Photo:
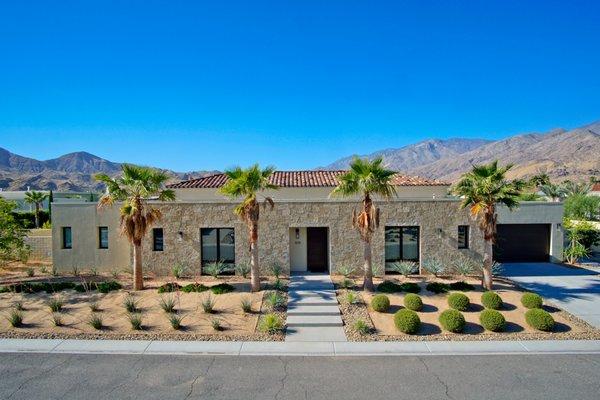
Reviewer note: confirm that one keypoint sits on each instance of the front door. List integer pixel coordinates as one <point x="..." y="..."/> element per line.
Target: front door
<point x="317" y="249"/>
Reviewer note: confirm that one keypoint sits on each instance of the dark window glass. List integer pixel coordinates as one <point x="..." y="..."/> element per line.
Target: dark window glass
<point x="218" y="244"/>
<point x="401" y="244"/>
<point x="463" y="236"/>
<point x="103" y="237"/>
<point x="157" y="239"/>
<point x="66" y="237"/>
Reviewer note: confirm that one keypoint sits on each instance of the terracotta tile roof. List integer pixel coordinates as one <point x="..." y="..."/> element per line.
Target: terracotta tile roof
<point x="302" y="179"/>
<point x="596" y="187"/>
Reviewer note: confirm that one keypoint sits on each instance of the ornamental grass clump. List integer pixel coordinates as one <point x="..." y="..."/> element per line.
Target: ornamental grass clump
<point x="491" y="300"/>
<point x="275" y="301"/>
<point x="492" y="320"/>
<point x="405" y="268"/>
<point x="407" y="321"/>
<point x="246" y="305"/>
<point x="208" y="304"/>
<point x="130" y="304"/>
<point x="242" y="269"/>
<point x="539" y="319"/>
<point x="271" y="323"/>
<point x="216" y="324"/>
<point x="94" y="306"/>
<point x="95" y="321"/>
<point x="452" y="321"/>
<point x="380" y="303"/>
<point x="135" y="319"/>
<point x="458" y="301"/>
<point x="15" y="318"/>
<point x="55" y="304"/>
<point x="361" y="327"/>
<point x="175" y="320"/>
<point x="57" y="319"/>
<point x="413" y="302"/>
<point x="167" y="304"/>
<point x="532" y="300"/>
<point x="352" y="298"/>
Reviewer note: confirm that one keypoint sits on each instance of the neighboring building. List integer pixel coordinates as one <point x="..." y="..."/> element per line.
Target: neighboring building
<point x="58" y="197"/>
<point x="595" y="189"/>
<point x="306" y="231"/>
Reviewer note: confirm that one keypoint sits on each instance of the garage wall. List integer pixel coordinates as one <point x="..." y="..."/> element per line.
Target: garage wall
<point x="536" y="212"/>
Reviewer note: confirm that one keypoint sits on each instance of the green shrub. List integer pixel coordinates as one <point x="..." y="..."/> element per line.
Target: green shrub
<point x="130" y="303"/>
<point x="278" y="285"/>
<point x="271" y="323"/>
<point x="492" y="320"/>
<point x="461" y="286"/>
<point x="214" y="269"/>
<point x="347" y="283"/>
<point x="95" y="321"/>
<point x="532" y="300"/>
<point x="458" y="301"/>
<point x="169" y="287"/>
<point x="55" y="304"/>
<point x="361" y="327"/>
<point x="407" y="321"/>
<point x="405" y="268"/>
<point x="389" y="287"/>
<point x="222" y="288"/>
<point x="380" y="303"/>
<point x="410" y="287"/>
<point x="491" y="300"/>
<point x="539" y="319"/>
<point x="434" y="267"/>
<point x="105" y="287"/>
<point x="413" y="302"/>
<point x="208" y="304"/>
<point x="352" y="298"/>
<point x="246" y="304"/>
<point x="452" y="321"/>
<point x="275" y="300"/>
<point x="437" y="287"/>
<point x="242" y="269"/>
<point x="15" y="318"/>
<point x="135" y="319"/>
<point x="194" y="287"/>
<point x="276" y="270"/>
<point x="167" y="304"/>
<point x="464" y="266"/>
<point x="178" y="270"/>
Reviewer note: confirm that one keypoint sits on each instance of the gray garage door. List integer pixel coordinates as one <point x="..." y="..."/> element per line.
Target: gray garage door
<point x="522" y="243"/>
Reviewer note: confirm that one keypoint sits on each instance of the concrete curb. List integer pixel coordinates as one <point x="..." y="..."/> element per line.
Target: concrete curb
<point x="155" y="347"/>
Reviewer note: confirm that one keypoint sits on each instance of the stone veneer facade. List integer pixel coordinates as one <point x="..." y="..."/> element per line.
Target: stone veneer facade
<point x="438" y="221"/>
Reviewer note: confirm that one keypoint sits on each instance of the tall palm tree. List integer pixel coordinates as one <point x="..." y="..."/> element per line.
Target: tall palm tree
<point x="134" y="189"/>
<point x="366" y="178"/>
<point x="482" y="189"/>
<point x="554" y="192"/>
<point x="37" y="199"/>
<point x="572" y="188"/>
<point x="247" y="183"/>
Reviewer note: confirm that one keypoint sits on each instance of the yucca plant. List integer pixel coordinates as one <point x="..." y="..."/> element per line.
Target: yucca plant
<point x="30" y="272"/>
<point x="271" y="323"/>
<point x="135" y="319"/>
<point x="405" y="268"/>
<point x="15" y="318"/>
<point x="94" y="306"/>
<point x="95" y="321"/>
<point x="215" y="269"/>
<point x="242" y="269"/>
<point x="18" y="305"/>
<point x="130" y="303"/>
<point x="208" y="304"/>
<point x="346" y="270"/>
<point x="464" y="267"/>
<point x="275" y="300"/>
<point x="246" y="304"/>
<point x="276" y="270"/>
<point x="167" y="303"/>
<point x="175" y="320"/>
<point x="352" y="298"/>
<point x="178" y="270"/>
<point x="55" y="304"/>
<point x="216" y="324"/>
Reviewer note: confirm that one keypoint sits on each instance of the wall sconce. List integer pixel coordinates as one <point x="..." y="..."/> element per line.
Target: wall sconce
<point x="439" y="231"/>
<point x="180" y="236"/>
<point x="558" y="226"/>
<point x="297" y="233"/>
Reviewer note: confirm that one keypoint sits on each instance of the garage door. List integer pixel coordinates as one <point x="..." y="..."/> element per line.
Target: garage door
<point x="522" y="242"/>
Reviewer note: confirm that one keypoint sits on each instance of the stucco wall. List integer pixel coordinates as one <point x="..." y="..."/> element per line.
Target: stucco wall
<point x="40" y="243"/>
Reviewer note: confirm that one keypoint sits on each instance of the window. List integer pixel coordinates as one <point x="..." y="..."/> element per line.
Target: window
<point x="157" y="239"/>
<point x="401" y="244"/>
<point x="218" y="244"/>
<point x="103" y="237"/>
<point x="463" y="236"/>
<point x="66" y="237"/>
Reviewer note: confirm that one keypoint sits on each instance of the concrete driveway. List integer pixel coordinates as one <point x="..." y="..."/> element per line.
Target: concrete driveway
<point x="572" y="289"/>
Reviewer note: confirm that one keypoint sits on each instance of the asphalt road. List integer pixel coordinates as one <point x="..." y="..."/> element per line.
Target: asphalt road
<point x="43" y="376"/>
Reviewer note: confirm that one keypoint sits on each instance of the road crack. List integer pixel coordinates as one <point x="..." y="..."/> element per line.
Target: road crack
<point x="440" y="380"/>
<point x="193" y="384"/>
<point x="283" y="379"/>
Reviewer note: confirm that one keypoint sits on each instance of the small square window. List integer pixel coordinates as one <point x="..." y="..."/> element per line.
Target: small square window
<point x="463" y="236"/>
<point x="67" y="242"/>
<point x="157" y="239"/>
<point x="103" y="237"/>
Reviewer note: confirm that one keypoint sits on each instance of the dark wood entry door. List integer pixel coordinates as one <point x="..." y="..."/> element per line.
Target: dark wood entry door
<point x="317" y="249"/>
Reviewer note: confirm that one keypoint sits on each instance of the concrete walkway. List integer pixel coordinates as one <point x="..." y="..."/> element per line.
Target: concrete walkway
<point x="419" y="348"/>
<point x="575" y="290"/>
<point x="313" y="313"/>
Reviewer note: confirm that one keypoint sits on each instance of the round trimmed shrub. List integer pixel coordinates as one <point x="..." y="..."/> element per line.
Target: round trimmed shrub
<point x="413" y="302"/>
<point x="539" y="319"/>
<point x="407" y="321"/>
<point x="532" y="300"/>
<point x="452" y="321"/>
<point x="380" y="303"/>
<point x="491" y="300"/>
<point x="458" y="301"/>
<point x="492" y="320"/>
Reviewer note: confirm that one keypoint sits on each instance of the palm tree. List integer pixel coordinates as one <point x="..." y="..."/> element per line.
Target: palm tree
<point x="366" y="178"/>
<point x="539" y="179"/>
<point x="247" y="183"/>
<point x="482" y="189"/>
<point x="554" y="192"/>
<point x="37" y="199"/>
<point x="571" y="188"/>
<point x="134" y="189"/>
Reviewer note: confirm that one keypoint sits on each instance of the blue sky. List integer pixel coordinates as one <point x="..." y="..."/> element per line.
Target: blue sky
<point x="208" y="85"/>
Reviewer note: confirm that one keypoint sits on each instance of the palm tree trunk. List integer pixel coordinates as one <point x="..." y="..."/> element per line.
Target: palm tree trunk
<point x="368" y="268"/>
<point x="254" y="268"/>
<point x="486" y="280"/>
<point x="37" y="215"/>
<point x="138" y="276"/>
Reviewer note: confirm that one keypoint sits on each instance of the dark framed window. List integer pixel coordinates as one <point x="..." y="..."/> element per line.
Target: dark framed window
<point x="67" y="238"/>
<point x="401" y="244"/>
<point x="157" y="239"/>
<point x="218" y="244"/>
<point x="463" y="236"/>
<point x="103" y="237"/>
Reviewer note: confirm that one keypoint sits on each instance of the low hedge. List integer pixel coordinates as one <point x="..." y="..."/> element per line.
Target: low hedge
<point x="491" y="300"/>
<point x="169" y="287"/>
<point x="407" y="321"/>
<point x="458" y="301"/>
<point x="194" y="287"/>
<point x="389" y="287"/>
<point x="532" y="300"/>
<point x="410" y="287"/>
<point x="492" y="320"/>
<point x="380" y="303"/>
<point x="413" y="302"/>
<point x="452" y="321"/>
<point x="222" y="288"/>
<point x="53" y="287"/>
<point x="539" y="319"/>
<point x="437" y="287"/>
<point x="461" y="286"/>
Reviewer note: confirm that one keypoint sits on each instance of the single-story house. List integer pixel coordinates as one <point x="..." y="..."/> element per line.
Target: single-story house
<point x="307" y="230"/>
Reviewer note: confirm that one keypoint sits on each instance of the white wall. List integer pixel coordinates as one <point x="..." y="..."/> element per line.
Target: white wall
<point x="298" y="250"/>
